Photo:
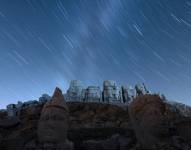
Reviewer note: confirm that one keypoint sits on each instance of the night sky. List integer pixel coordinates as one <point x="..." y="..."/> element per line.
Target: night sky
<point x="47" y="43"/>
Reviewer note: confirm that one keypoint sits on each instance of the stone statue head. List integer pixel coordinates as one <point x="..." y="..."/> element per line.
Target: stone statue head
<point x="53" y="123"/>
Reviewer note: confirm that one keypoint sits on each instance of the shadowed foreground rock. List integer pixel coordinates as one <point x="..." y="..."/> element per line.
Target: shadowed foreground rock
<point x="53" y="124"/>
<point x="153" y="121"/>
<point x="148" y="123"/>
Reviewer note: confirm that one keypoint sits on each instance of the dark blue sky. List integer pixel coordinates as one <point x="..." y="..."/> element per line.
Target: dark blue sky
<point x="47" y="43"/>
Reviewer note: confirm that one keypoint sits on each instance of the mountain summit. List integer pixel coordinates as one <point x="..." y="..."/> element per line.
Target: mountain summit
<point x="146" y="122"/>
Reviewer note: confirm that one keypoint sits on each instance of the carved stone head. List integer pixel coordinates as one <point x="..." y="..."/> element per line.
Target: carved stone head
<point x="53" y="123"/>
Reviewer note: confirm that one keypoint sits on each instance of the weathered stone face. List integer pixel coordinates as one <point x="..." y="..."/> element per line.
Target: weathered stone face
<point x="151" y="119"/>
<point x="11" y="110"/>
<point x="44" y="98"/>
<point x="53" y="123"/>
<point x="75" y="88"/>
<point x="109" y="83"/>
<point x="95" y="126"/>
<point x="74" y="93"/>
<point x="93" y="93"/>
<point x="141" y="89"/>
<point x="125" y="95"/>
<point x="110" y="91"/>
<point x="1" y="138"/>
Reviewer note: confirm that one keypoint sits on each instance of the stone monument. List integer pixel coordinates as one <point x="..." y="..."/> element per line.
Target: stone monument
<point x="74" y="93"/>
<point x="93" y="94"/>
<point x="110" y="92"/>
<point x="53" y="124"/>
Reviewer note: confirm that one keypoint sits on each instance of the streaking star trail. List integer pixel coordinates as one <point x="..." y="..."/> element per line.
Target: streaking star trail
<point x="46" y="43"/>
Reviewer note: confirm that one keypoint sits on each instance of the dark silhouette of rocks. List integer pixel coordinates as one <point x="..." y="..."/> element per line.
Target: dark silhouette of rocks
<point x="147" y="123"/>
<point x="153" y="121"/>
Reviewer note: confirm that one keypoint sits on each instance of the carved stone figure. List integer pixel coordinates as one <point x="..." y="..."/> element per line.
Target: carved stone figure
<point x="11" y="110"/>
<point x="125" y="95"/>
<point x="110" y="91"/>
<point x="44" y="98"/>
<point x="93" y="94"/>
<point x="74" y="93"/>
<point x="53" y="124"/>
<point x="141" y="89"/>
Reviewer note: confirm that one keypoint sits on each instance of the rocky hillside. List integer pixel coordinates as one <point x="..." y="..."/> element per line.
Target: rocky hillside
<point x="182" y="108"/>
<point x="147" y="123"/>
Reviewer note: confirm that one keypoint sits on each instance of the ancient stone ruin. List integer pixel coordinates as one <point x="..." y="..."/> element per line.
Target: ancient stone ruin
<point x="96" y="121"/>
<point x="111" y="93"/>
<point x="53" y="124"/>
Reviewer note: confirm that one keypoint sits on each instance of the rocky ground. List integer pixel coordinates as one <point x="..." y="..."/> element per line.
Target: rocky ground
<point x="147" y="123"/>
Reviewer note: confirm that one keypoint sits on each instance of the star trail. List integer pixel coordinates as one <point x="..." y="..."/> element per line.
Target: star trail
<point x="47" y="43"/>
